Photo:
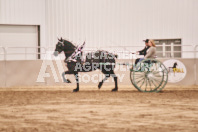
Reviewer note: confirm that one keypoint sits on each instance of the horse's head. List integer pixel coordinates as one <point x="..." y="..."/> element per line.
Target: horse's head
<point x="65" y="46"/>
<point x="59" y="47"/>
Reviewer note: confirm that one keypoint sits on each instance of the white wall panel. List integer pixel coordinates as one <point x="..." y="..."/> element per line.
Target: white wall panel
<point x="20" y="37"/>
<point x="24" y="12"/>
<point x="195" y="22"/>
<point x="120" y="22"/>
<point x="105" y="22"/>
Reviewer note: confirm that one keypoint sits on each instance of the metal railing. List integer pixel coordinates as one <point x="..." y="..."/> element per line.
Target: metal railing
<point x="6" y="53"/>
<point x="196" y="50"/>
<point x="23" y="51"/>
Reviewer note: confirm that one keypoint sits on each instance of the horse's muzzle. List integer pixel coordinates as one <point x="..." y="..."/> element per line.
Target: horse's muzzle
<point x="56" y="53"/>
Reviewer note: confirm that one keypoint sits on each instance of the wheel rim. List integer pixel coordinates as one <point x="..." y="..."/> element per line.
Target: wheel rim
<point x="149" y="77"/>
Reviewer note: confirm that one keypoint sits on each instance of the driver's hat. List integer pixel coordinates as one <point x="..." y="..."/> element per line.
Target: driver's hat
<point x="146" y="41"/>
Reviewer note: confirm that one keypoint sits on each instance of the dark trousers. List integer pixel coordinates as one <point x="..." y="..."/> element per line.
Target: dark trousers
<point x="137" y="60"/>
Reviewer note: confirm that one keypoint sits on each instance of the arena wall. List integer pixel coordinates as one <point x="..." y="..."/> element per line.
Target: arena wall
<point x="2" y="74"/>
<point x="26" y="73"/>
<point x="105" y="23"/>
<point x="190" y="78"/>
<point x="196" y="68"/>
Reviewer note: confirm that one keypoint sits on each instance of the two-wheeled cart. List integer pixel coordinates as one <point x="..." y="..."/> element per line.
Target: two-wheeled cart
<point x="149" y="75"/>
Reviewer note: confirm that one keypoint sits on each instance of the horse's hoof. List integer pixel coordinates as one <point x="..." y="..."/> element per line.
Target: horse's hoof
<point x="99" y="85"/>
<point x="114" y="90"/>
<point x="68" y="81"/>
<point x="75" y="90"/>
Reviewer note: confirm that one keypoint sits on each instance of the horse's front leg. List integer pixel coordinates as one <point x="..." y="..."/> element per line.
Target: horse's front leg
<point x="63" y="75"/>
<point x="115" y="80"/>
<point x="77" y="82"/>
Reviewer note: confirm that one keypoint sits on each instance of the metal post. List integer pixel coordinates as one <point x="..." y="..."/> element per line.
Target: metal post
<point x="164" y="50"/>
<point x="5" y="63"/>
<point x="5" y="53"/>
<point x="195" y="63"/>
<point x="172" y="50"/>
<point x="25" y="53"/>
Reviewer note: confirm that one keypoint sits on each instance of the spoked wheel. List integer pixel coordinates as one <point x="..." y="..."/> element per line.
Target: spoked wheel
<point x="149" y="75"/>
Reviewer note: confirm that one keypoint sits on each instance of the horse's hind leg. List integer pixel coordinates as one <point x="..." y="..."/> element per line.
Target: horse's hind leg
<point x="107" y="75"/>
<point x="115" y="80"/>
<point x="77" y="82"/>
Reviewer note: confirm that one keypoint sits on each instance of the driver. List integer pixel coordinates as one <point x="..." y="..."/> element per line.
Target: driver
<point x="143" y="51"/>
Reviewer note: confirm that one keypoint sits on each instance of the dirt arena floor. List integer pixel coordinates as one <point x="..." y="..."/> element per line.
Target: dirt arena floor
<point x="46" y="109"/>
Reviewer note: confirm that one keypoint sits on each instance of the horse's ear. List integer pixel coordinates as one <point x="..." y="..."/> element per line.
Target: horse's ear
<point x="61" y="39"/>
<point x="58" y="39"/>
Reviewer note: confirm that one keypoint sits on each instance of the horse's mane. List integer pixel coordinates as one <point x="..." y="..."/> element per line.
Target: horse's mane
<point x="69" y="44"/>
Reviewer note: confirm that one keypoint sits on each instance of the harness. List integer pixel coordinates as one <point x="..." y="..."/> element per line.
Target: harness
<point x="75" y="53"/>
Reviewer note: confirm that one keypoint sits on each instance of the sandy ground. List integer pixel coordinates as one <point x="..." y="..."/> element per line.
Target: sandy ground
<point x="58" y="109"/>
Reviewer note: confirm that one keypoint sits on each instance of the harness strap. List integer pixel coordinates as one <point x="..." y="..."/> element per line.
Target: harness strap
<point x="75" y="53"/>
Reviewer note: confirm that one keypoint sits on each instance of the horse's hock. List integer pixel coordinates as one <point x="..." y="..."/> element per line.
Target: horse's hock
<point x="36" y="72"/>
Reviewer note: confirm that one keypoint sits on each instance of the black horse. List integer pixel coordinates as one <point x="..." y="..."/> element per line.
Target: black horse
<point x="102" y="60"/>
